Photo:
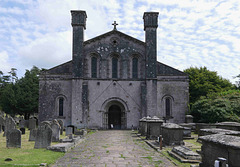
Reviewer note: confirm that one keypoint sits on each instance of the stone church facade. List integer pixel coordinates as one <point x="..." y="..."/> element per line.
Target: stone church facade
<point x="113" y="80"/>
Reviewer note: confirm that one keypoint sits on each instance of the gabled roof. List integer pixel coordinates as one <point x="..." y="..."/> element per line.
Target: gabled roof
<point x="117" y="33"/>
<point x="165" y="70"/>
<point x="65" y="68"/>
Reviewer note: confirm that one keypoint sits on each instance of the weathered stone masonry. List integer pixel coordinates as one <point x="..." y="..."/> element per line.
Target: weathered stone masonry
<point x="112" y="79"/>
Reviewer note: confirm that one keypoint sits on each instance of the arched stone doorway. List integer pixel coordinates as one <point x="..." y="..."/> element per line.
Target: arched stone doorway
<point x="114" y="114"/>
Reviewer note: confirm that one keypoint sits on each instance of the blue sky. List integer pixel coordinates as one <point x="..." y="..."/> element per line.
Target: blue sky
<point x="190" y="33"/>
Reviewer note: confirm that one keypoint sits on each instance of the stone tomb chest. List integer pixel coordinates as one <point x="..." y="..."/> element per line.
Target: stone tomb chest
<point x="219" y="145"/>
<point x="154" y="128"/>
<point x="172" y="134"/>
<point x="204" y="132"/>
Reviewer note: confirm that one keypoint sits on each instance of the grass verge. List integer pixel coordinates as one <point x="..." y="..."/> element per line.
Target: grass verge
<point x="26" y="155"/>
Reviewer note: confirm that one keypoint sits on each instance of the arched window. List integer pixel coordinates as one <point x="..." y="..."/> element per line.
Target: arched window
<point x="135" y="68"/>
<point x="168" y="107"/>
<point x="94" y="67"/>
<point x="114" y="67"/>
<point x="60" y="106"/>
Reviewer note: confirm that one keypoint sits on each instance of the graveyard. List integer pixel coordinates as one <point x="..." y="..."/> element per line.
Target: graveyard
<point x="27" y="142"/>
<point x="26" y="154"/>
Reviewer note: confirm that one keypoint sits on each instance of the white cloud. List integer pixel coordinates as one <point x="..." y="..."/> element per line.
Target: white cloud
<point x="4" y="59"/>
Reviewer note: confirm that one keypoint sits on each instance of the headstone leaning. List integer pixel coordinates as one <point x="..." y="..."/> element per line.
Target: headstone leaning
<point x="32" y="123"/>
<point x="55" y="131"/>
<point x="13" y="138"/>
<point x="9" y="125"/>
<point x="43" y="137"/>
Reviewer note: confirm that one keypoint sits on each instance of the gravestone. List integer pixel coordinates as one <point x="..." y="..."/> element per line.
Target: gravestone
<point x="144" y="126"/>
<point x="172" y="134"/>
<point x="22" y="130"/>
<point x="13" y="138"/>
<point x="9" y="125"/>
<point x="204" y="132"/>
<point x="140" y="130"/>
<point x="55" y="130"/>
<point x="45" y="123"/>
<point x="22" y="123"/>
<point x="154" y="128"/>
<point x="186" y="132"/>
<point x="32" y="135"/>
<point x="62" y="125"/>
<point x="32" y="123"/>
<point x="185" y="154"/>
<point x="228" y="125"/>
<point x="219" y="145"/>
<point x="2" y="123"/>
<point x="69" y="130"/>
<point x="188" y="119"/>
<point x="43" y="137"/>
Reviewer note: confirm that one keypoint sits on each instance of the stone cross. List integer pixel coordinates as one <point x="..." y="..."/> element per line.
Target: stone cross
<point x="115" y="25"/>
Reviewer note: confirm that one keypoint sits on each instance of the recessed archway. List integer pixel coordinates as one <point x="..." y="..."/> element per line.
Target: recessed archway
<point x="114" y="114"/>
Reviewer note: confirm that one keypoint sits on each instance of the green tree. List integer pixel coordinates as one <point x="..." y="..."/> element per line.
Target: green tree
<point x="27" y="92"/>
<point x="217" y="107"/>
<point x="202" y="82"/>
<point x="8" y="99"/>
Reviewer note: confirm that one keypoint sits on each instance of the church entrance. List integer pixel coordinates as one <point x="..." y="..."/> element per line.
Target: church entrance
<point x="114" y="117"/>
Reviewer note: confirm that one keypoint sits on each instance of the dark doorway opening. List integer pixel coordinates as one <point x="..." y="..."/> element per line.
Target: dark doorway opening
<point x="114" y="117"/>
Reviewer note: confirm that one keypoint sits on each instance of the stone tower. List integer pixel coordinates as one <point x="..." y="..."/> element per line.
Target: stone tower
<point x="150" y="27"/>
<point x="79" y="25"/>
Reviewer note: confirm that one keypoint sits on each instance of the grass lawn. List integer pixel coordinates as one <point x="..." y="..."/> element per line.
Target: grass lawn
<point x="26" y="155"/>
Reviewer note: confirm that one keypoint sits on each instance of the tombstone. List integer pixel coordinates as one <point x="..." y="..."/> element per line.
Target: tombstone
<point x="2" y="123"/>
<point x="188" y="119"/>
<point x="154" y="128"/>
<point x="9" y="125"/>
<point x="43" y="137"/>
<point x="186" y="132"/>
<point x="219" y="145"/>
<point x="32" y="123"/>
<point x="204" y="132"/>
<point x="32" y="135"/>
<point x="62" y="126"/>
<point x="200" y="126"/>
<point x="22" y="130"/>
<point x="228" y="125"/>
<point x="45" y="123"/>
<point x="185" y="154"/>
<point x="69" y="130"/>
<point x="13" y="138"/>
<point x="22" y="123"/>
<point x="55" y="131"/>
<point x="144" y="126"/>
<point x="74" y="128"/>
<point x="172" y="134"/>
